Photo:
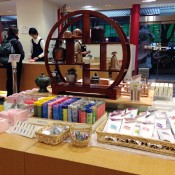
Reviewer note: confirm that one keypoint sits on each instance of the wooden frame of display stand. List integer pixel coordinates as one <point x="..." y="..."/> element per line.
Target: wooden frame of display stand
<point x="86" y="88"/>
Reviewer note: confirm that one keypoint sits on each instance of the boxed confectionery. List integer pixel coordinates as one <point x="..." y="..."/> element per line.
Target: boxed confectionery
<point x="69" y="109"/>
<point x="162" y="91"/>
<point x="10" y="117"/>
<point x="14" y="115"/>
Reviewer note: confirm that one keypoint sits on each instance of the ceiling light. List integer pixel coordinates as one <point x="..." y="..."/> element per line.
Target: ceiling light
<point x="87" y="6"/>
<point x="148" y="0"/>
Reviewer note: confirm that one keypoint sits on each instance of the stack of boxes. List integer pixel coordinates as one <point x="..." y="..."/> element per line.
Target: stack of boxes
<point x="162" y="91"/>
<point x="69" y="109"/>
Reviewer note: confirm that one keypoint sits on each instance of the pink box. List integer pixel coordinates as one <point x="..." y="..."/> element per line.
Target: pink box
<point x="4" y="124"/>
<point x="101" y="110"/>
<point x="14" y="115"/>
<point x="12" y="98"/>
<point x="4" y="114"/>
<point x="17" y="115"/>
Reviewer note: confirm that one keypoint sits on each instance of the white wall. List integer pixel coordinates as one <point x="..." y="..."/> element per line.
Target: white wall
<point x="95" y="51"/>
<point x="40" y="14"/>
<point x="49" y="17"/>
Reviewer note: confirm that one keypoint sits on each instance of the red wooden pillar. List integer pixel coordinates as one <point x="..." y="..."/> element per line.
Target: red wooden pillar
<point x="59" y="14"/>
<point x="134" y="31"/>
<point x="0" y="30"/>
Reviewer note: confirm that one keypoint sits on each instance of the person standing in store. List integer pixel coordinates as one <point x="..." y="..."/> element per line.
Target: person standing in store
<point x="37" y="46"/>
<point x="13" y="34"/>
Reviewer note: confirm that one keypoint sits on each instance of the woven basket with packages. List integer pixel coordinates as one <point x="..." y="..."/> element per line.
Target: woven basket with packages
<point x="53" y="134"/>
<point x="80" y="135"/>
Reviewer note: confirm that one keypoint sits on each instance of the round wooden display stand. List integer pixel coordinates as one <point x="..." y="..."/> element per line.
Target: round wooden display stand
<point x="86" y="88"/>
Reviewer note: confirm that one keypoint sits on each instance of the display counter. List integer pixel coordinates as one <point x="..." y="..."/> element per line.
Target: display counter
<point x="126" y="100"/>
<point x="12" y="153"/>
<point x="33" y="69"/>
<point x="29" y="73"/>
<point x="23" y="156"/>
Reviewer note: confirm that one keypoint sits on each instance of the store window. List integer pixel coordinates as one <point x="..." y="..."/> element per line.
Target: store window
<point x="160" y="57"/>
<point x="6" y="22"/>
<point x="110" y="33"/>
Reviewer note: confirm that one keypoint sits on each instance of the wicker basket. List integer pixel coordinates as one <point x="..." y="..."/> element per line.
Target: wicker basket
<point x="52" y="139"/>
<point x="151" y="145"/>
<point x="81" y="129"/>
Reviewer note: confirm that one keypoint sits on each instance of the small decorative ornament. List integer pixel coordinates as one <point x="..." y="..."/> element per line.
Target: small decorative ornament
<point x="114" y="61"/>
<point x="77" y="33"/>
<point x="67" y="34"/>
<point x="79" y="57"/>
<point x="95" y="79"/>
<point x="97" y="34"/>
<point x="71" y="76"/>
<point x="42" y="82"/>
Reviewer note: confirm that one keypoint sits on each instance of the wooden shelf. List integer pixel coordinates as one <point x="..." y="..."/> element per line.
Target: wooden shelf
<point x="74" y="38"/>
<point x="85" y="16"/>
<point x="97" y="69"/>
<point x="81" y="64"/>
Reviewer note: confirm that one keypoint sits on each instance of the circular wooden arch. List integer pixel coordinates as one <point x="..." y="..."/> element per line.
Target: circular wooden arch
<point x="85" y="15"/>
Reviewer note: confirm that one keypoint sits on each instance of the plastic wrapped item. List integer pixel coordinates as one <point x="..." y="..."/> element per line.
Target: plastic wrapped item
<point x="4" y="124"/>
<point x="135" y="86"/>
<point x="14" y="115"/>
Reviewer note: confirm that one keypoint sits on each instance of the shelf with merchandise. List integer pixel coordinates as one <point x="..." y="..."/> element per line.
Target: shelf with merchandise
<point x="86" y="87"/>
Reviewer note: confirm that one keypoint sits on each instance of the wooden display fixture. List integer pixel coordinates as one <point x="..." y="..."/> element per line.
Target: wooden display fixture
<point x="86" y="88"/>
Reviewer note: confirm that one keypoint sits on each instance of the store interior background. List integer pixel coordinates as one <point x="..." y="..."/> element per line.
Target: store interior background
<point x="157" y="25"/>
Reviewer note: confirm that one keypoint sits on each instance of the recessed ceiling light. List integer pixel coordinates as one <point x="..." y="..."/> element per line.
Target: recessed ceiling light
<point x="87" y="6"/>
<point x="148" y="0"/>
<point x="108" y="5"/>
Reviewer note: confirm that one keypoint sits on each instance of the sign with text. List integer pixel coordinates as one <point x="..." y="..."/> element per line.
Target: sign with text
<point x="14" y="57"/>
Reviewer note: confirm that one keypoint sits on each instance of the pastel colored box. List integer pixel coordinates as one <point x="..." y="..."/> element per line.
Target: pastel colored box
<point x="14" y="115"/>
<point x="4" y="125"/>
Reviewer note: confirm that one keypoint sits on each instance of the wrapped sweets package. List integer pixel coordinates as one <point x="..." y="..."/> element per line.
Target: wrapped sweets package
<point x="4" y="124"/>
<point x="14" y="115"/>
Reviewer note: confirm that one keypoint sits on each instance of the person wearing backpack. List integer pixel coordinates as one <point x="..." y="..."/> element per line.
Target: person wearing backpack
<point x="18" y="49"/>
<point x="37" y="46"/>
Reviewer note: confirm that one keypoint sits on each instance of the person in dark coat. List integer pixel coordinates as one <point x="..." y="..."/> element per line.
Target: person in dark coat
<point x="13" y="34"/>
<point x="37" y="46"/>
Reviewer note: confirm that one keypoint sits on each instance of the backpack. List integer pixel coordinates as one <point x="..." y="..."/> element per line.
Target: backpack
<point x="6" y="48"/>
<point x="83" y="47"/>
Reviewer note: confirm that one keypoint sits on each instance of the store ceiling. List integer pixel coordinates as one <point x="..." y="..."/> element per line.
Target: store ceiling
<point x="7" y="7"/>
<point x="73" y="5"/>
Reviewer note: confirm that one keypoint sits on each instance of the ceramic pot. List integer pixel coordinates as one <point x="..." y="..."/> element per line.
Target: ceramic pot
<point x="67" y="34"/>
<point x="71" y="76"/>
<point x="97" y="34"/>
<point x="77" y="33"/>
<point x="42" y="82"/>
<point x="95" y="79"/>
